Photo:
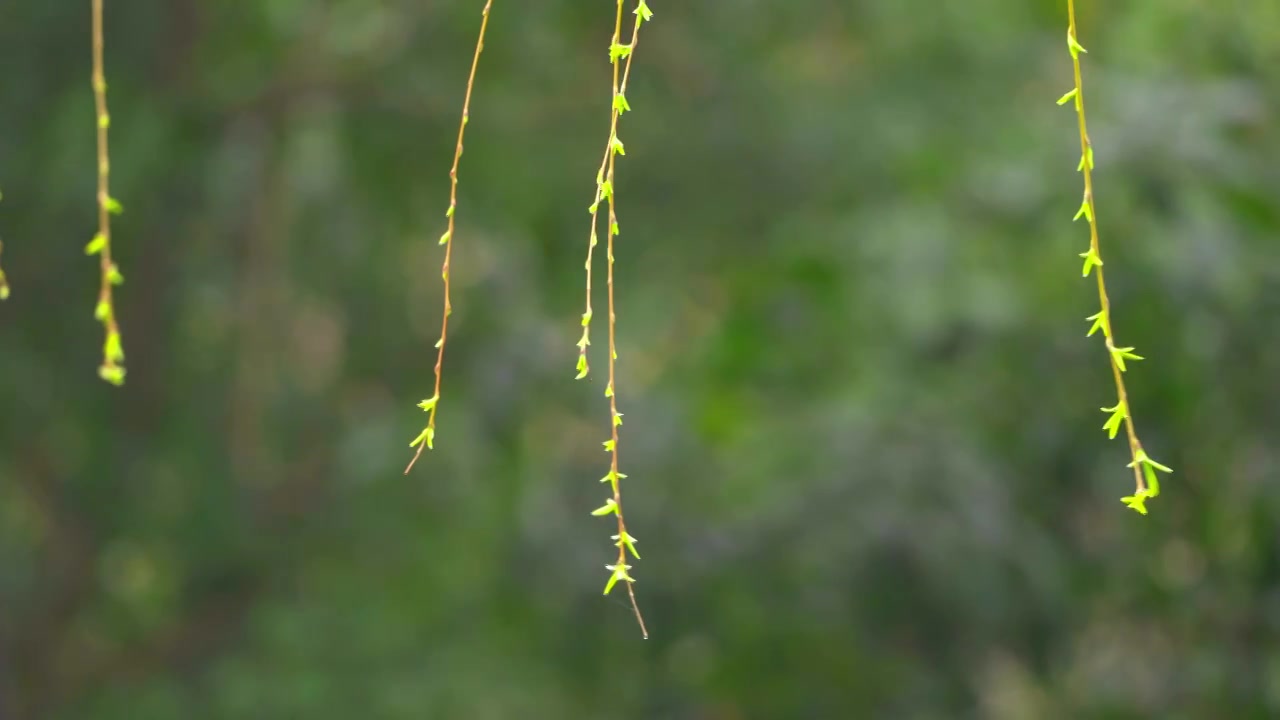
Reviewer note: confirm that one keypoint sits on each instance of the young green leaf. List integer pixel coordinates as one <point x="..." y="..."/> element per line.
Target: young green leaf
<point x="1090" y="260"/>
<point x="612" y="477"/>
<point x="1121" y="354"/>
<point x="619" y="573"/>
<point x="644" y="12"/>
<point x="113" y="374"/>
<point x="624" y="539"/>
<point x="1136" y="502"/>
<point x="1085" y="211"/>
<point x="112" y="349"/>
<point x="428" y="436"/>
<point x="617" y="51"/>
<point x="1099" y="319"/>
<point x="1075" y="47"/>
<point x="1149" y="468"/>
<point x="1118" y="414"/>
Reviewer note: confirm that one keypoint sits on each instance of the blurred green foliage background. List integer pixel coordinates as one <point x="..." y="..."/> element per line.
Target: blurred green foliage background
<point x="862" y="431"/>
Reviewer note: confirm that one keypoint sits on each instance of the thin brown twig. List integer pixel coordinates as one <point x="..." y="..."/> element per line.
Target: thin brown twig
<point x="428" y="435"/>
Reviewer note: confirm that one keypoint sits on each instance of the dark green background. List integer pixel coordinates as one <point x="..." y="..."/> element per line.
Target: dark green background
<point x="867" y="470"/>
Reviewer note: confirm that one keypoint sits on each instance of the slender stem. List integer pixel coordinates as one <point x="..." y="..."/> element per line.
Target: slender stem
<point x="1086" y="154"/>
<point x="426" y="439"/>
<point x="619" y="89"/>
<point x="4" y="284"/>
<point x="113" y="354"/>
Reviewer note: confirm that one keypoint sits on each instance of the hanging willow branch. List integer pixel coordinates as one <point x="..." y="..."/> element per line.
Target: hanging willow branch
<point x="112" y="368"/>
<point x="606" y="191"/>
<point x="428" y="436"/>
<point x="1147" y="485"/>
